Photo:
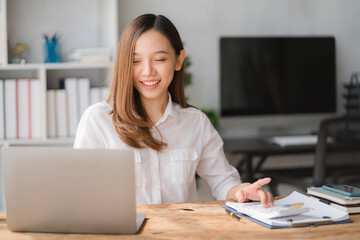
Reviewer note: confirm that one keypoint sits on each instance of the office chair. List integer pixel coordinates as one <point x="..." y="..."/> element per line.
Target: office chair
<point x="338" y="134"/>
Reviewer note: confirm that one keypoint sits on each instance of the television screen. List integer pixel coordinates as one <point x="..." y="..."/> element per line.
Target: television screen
<point x="277" y="75"/>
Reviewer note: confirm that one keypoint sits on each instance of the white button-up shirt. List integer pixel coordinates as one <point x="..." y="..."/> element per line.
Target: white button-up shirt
<point x="169" y="175"/>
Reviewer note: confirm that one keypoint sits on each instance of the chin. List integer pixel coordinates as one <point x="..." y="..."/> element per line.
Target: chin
<point x="151" y="96"/>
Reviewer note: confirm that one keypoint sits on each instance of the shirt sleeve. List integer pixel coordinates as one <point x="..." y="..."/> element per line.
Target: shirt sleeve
<point x="88" y="134"/>
<point x="213" y="165"/>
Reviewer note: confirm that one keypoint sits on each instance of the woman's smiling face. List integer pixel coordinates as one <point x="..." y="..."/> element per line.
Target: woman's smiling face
<point x="154" y="64"/>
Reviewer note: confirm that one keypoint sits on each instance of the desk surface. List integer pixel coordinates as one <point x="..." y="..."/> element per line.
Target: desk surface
<point x="202" y="220"/>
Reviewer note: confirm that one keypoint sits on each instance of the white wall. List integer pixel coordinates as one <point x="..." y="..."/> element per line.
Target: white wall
<point x="202" y="22"/>
<point x="80" y="24"/>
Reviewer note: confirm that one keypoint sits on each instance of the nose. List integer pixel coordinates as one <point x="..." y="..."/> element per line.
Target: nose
<point x="148" y="68"/>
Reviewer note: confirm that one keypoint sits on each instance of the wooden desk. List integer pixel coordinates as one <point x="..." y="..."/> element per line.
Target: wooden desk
<point x="202" y="220"/>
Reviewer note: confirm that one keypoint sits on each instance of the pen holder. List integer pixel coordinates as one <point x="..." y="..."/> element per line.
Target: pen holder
<point x="52" y="52"/>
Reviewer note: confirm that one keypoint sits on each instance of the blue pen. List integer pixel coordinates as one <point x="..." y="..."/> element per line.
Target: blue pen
<point x="54" y="38"/>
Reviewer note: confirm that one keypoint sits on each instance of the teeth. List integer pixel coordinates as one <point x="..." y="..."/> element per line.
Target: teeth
<point x="151" y="83"/>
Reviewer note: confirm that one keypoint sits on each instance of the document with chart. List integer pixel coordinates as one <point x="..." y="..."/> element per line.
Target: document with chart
<point x="295" y="210"/>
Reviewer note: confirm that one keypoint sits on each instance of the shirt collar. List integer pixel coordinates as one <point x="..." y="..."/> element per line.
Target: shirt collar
<point x="170" y="110"/>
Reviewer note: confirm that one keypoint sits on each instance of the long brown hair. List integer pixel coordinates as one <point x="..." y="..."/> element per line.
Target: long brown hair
<point x="130" y="119"/>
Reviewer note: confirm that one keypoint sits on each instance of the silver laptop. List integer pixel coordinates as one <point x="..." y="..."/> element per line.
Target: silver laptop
<point x="64" y="190"/>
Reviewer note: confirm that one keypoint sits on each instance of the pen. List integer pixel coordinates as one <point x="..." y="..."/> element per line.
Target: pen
<point x="234" y="215"/>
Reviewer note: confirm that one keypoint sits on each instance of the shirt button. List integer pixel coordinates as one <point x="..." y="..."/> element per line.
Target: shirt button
<point x="154" y="160"/>
<point x="185" y="156"/>
<point x="156" y="188"/>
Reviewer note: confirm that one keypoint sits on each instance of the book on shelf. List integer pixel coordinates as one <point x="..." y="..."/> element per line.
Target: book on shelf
<point x="23" y="100"/>
<point x="51" y="113"/>
<point x="318" y="213"/>
<point x="1" y="39"/>
<point x="332" y="196"/>
<point x="2" y="113"/>
<point x="72" y="99"/>
<point x="35" y="109"/>
<point x="28" y="109"/>
<point x="84" y="95"/>
<point x="78" y="99"/>
<point x="98" y="94"/>
<point x="10" y="108"/>
<point x="61" y="113"/>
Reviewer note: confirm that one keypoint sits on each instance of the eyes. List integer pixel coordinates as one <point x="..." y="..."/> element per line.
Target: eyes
<point x="159" y="60"/>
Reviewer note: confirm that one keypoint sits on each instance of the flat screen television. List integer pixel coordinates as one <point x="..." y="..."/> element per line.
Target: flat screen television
<point x="277" y="76"/>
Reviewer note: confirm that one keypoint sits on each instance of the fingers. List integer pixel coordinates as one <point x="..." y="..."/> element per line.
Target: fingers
<point x="270" y="198"/>
<point x="266" y="198"/>
<point x="263" y="197"/>
<point x="240" y="196"/>
<point x="261" y="182"/>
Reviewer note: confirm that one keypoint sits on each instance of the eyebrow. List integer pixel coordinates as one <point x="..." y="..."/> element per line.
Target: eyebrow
<point x="162" y="51"/>
<point x="157" y="52"/>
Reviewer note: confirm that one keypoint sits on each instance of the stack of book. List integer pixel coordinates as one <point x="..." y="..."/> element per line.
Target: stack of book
<point x="345" y="203"/>
<point x="91" y="55"/>
<point x="65" y="106"/>
<point x="20" y="109"/>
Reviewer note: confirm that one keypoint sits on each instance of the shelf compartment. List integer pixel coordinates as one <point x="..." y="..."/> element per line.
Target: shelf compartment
<point x="80" y="24"/>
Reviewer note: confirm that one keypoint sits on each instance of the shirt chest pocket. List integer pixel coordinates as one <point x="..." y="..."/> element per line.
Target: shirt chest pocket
<point x="183" y="165"/>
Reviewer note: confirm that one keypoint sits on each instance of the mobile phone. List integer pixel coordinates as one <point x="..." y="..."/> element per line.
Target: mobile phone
<point x="346" y="190"/>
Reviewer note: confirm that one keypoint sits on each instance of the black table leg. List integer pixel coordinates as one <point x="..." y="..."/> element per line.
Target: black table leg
<point x="248" y="168"/>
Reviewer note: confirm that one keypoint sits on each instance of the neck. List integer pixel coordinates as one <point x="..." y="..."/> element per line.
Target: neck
<point x="155" y="108"/>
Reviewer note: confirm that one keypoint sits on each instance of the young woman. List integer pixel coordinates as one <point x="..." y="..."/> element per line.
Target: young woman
<point x="147" y="112"/>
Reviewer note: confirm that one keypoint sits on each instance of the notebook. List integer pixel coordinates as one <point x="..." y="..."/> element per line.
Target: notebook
<point x="333" y="196"/>
<point x="64" y="190"/>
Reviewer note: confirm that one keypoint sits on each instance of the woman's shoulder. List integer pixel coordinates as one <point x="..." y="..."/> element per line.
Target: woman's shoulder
<point x="97" y="109"/>
<point x="189" y="111"/>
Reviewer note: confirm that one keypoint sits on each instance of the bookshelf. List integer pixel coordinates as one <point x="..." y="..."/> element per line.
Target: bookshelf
<point x="79" y="23"/>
